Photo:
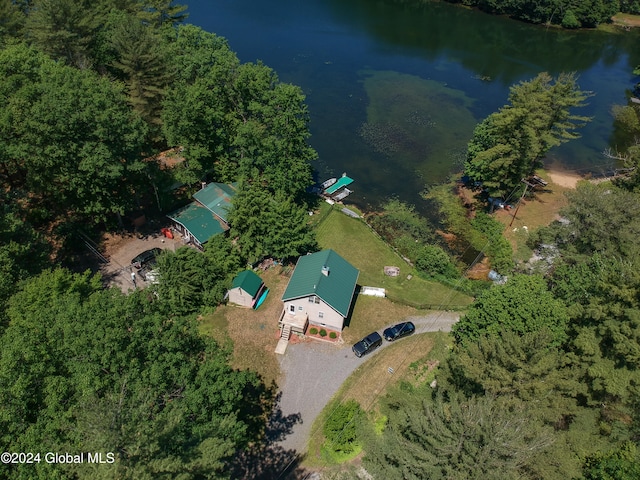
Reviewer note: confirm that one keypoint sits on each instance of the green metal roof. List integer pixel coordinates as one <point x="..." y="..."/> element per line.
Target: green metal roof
<point x="342" y="182"/>
<point x="336" y="288"/>
<point x="248" y="281"/>
<point x="217" y="198"/>
<point x="200" y="222"/>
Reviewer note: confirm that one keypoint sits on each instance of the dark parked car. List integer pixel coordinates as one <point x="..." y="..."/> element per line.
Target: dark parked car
<point x="398" y="331"/>
<point x="148" y="257"/>
<point x="367" y="344"/>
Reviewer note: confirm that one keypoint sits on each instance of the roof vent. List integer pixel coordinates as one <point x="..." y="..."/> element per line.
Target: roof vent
<point x="325" y="271"/>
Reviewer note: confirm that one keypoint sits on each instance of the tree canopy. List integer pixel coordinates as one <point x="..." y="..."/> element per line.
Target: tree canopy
<point x="509" y="145"/>
<point x="524" y="304"/>
<point x="80" y="365"/>
<point x="68" y="135"/>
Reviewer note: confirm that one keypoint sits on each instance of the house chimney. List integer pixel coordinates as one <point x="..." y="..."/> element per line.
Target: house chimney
<point x="203" y="185"/>
<point x="325" y="271"/>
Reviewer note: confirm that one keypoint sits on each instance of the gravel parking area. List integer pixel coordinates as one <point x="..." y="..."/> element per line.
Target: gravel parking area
<point x="119" y="250"/>
<point x="313" y="372"/>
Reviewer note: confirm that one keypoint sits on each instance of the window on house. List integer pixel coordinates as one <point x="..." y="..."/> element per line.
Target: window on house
<point x="299" y="308"/>
<point x="292" y="308"/>
<point x="316" y="299"/>
<point x="320" y="314"/>
<point x="311" y="298"/>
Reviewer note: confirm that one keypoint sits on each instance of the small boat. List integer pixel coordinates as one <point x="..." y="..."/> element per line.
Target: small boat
<point x="327" y="183"/>
<point x="343" y="194"/>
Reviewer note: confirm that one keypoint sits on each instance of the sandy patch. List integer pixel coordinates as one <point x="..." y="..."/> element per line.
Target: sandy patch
<point x="568" y="180"/>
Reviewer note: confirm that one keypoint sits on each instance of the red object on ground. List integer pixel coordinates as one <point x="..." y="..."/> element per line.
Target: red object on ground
<point x="167" y="233"/>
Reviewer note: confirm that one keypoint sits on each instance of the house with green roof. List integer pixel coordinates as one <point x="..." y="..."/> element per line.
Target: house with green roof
<point x="247" y="290"/>
<point x="320" y="292"/>
<point x="207" y="216"/>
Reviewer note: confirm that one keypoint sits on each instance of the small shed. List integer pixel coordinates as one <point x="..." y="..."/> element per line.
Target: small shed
<point x="247" y="290"/>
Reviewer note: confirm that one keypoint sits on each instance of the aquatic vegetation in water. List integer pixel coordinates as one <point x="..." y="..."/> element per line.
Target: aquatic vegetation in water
<point x="422" y="125"/>
<point x="385" y="138"/>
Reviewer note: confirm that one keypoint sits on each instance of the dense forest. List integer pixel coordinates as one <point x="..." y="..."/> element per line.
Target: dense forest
<point x="91" y="92"/>
<point x="541" y="376"/>
<point x="566" y="13"/>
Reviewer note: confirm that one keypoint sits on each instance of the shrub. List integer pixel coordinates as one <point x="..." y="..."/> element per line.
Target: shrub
<point x="333" y="335"/>
<point x="340" y="427"/>
<point x="323" y="333"/>
<point x="313" y="330"/>
<point x="433" y="261"/>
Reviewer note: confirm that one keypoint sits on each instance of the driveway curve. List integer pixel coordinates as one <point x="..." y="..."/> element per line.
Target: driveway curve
<point x="313" y="372"/>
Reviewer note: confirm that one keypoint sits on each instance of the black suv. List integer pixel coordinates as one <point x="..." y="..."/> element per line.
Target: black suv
<point x="398" y="331"/>
<point x="367" y="344"/>
<point x="148" y="257"/>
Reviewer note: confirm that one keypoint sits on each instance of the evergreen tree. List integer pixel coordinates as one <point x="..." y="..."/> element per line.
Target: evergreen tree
<point x="508" y="145"/>
<point x="475" y="438"/>
<point x="142" y="63"/>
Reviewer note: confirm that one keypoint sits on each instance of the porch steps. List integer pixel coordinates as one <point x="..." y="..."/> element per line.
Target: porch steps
<point x="286" y="332"/>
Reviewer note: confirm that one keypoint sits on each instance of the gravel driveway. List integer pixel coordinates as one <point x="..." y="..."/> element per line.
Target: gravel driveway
<point x="313" y="373"/>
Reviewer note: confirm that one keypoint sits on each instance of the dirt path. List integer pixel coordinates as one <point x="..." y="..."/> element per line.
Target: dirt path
<point x="313" y="372"/>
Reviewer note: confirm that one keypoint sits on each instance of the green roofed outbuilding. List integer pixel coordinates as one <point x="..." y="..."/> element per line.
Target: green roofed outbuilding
<point x="321" y="288"/>
<point x="247" y="289"/>
<point x="207" y="216"/>
<point x="217" y="198"/>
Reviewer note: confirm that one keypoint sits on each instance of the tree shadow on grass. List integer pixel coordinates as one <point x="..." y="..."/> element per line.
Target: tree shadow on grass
<point x="267" y="460"/>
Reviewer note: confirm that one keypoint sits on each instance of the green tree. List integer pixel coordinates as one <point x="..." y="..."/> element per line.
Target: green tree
<point x="12" y="20"/>
<point x="69" y="136"/>
<point x="599" y="219"/>
<point x="83" y="366"/>
<point x="472" y="438"/>
<point x="189" y="281"/>
<point x="524" y="304"/>
<point x="508" y="145"/>
<point x="141" y="61"/>
<point x="340" y="429"/>
<point x="526" y="367"/>
<point x="236" y="121"/>
<point x="597" y="277"/>
<point x="619" y="464"/>
<point x="497" y="247"/>
<point x="65" y="29"/>
<point x="433" y="261"/>
<point x="23" y="253"/>
<point x="400" y="225"/>
<point x="265" y="225"/>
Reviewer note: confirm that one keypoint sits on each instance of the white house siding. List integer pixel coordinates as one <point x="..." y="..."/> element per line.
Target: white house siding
<point x="330" y="318"/>
<point x="240" y="297"/>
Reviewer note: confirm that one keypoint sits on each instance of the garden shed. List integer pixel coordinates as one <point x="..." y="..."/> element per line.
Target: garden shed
<point x="247" y="290"/>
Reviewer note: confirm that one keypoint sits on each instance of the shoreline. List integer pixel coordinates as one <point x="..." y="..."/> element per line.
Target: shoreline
<point x="563" y="179"/>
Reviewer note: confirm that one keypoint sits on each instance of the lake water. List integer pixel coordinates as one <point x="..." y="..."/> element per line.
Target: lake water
<point x="394" y="93"/>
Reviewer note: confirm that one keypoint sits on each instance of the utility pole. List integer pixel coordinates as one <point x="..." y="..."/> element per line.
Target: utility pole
<point x="526" y="185"/>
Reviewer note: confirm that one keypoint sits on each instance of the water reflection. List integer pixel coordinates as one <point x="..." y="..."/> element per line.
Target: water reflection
<point x="337" y="51"/>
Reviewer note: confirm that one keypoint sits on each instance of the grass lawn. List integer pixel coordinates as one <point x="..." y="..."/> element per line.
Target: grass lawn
<point x="412" y="360"/>
<point x="254" y="333"/>
<point x="357" y="243"/>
